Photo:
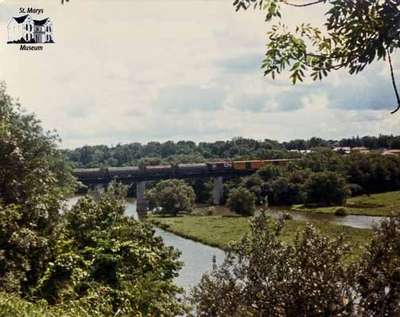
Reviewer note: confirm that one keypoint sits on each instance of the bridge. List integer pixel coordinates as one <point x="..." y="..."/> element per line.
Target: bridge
<point x="140" y="175"/>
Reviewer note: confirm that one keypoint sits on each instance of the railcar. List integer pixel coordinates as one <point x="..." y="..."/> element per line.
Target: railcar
<point x="219" y="166"/>
<point x="248" y="165"/>
<point x="160" y="170"/>
<point x="253" y="165"/>
<point x="191" y="169"/>
<point x="91" y="175"/>
<point x="123" y="172"/>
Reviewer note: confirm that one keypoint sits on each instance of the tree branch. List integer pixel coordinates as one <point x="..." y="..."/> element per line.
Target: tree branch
<point x="393" y="83"/>
<point x="304" y="4"/>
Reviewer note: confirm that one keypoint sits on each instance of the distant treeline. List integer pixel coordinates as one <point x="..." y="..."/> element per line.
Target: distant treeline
<point x="190" y="152"/>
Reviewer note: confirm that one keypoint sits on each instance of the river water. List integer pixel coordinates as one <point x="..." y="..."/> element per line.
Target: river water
<point x="354" y="221"/>
<point x="197" y="257"/>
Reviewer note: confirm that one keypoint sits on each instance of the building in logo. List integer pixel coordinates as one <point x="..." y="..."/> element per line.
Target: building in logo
<point x="24" y="29"/>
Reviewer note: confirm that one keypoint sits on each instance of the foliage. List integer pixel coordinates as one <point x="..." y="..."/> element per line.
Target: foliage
<point x="262" y="276"/>
<point x="172" y="195"/>
<point x="341" y="211"/>
<point x="34" y="179"/>
<point x="221" y="231"/>
<point x="378" y="275"/>
<point x="355" y="34"/>
<point x="326" y="188"/>
<point x="102" y="253"/>
<point x="89" y="261"/>
<point x="154" y="153"/>
<point x="242" y="201"/>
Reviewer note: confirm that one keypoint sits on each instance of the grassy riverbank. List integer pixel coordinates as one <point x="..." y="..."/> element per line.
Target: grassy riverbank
<point x="219" y="231"/>
<point x="383" y="204"/>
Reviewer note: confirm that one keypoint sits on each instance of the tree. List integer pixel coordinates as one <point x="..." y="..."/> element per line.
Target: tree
<point x="355" y="34"/>
<point x="242" y="201"/>
<point x="262" y="276"/>
<point x="102" y="253"/>
<point x="34" y="179"/>
<point x="172" y="195"/>
<point x="378" y="274"/>
<point x="326" y="188"/>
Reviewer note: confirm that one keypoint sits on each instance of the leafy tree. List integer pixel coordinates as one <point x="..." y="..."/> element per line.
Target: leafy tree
<point x="326" y="188"/>
<point x="242" y="201"/>
<point x="102" y="253"/>
<point x="202" y="189"/>
<point x="172" y="195"/>
<point x="282" y="191"/>
<point x="262" y="276"/>
<point x="378" y="275"/>
<point x="355" y="34"/>
<point x="34" y="179"/>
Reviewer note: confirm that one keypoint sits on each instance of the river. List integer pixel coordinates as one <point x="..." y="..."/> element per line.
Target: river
<point x="354" y="221"/>
<point x="197" y="257"/>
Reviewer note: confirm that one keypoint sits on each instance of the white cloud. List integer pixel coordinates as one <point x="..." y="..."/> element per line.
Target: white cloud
<point x="123" y="71"/>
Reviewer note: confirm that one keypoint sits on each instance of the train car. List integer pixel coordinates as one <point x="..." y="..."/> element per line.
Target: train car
<point x="123" y="172"/>
<point x="219" y="166"/>
<point x="90" y="175"/>
<point x="251" y="165"/>
<point x="159" y="170"/>
<point x="257" y="164"/>
<point x="248" y="165"/>
<point x="191" y="169"/>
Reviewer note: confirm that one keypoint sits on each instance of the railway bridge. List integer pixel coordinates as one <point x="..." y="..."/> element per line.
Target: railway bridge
<point x="143" y="174"/>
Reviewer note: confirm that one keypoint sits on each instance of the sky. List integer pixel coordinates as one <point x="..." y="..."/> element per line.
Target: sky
<point x="140" y="71"/>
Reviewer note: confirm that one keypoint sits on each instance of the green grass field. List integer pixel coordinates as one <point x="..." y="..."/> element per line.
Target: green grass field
<point x="219" y="231"/>
<point x="384" y="204"/>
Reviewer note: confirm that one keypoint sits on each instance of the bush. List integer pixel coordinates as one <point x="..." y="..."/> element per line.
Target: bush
<point x="242" y="201"/>
<point x="326" y="189"/>
<point x="263" y="276"/>
<point x="172" y="196"/>
<point x="103" y="254"/>
<point x="341" y="211"/>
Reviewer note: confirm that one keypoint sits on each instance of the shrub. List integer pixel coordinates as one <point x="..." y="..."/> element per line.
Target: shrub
<point x="105" y="255"/>
<point x="242" y="201"/>
<point x="326" y="188"/>
<point x="172" y="196"/>
<point x="263" y="276"/>
<point x="341" y="211"/>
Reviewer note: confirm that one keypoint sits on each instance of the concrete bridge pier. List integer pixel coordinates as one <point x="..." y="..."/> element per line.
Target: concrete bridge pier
<point x="141" y="203"/>
<point x="218" y="190"/>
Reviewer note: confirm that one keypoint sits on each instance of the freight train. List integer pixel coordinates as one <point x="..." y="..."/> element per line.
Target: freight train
<point x="174" y="170"/>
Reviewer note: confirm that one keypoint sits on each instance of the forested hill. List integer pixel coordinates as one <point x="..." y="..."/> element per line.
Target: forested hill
<point x="189" y="151"/>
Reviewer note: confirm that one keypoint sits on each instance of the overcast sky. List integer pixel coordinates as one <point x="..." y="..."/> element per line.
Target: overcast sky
<point x="127" y="71"/>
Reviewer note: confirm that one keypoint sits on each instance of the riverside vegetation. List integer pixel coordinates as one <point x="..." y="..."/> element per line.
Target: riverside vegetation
<point x="88" y="261"/>
<point x="92" y="260"/>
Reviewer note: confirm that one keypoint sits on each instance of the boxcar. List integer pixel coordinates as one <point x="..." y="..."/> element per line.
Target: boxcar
<point x="123" y="172"/>
<point x="91" y="175"/>
<point x="191" y="169"/>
